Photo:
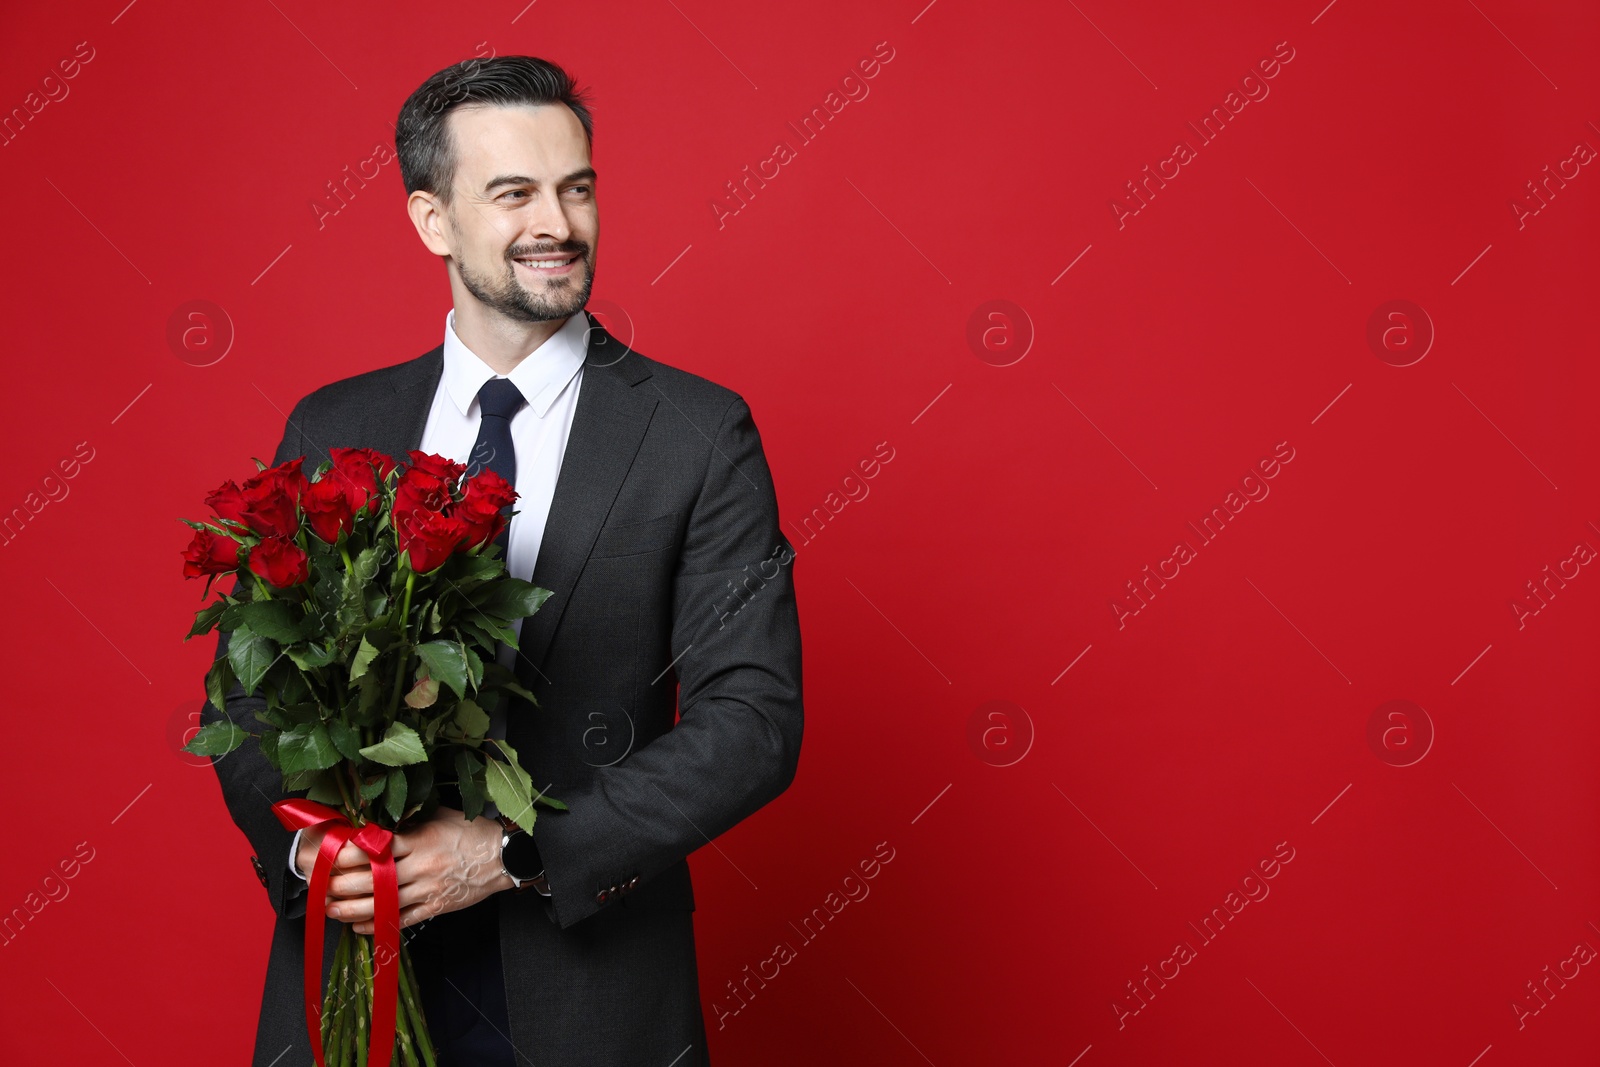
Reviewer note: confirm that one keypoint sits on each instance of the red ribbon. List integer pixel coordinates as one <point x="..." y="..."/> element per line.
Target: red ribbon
<point x="298" y="813"/>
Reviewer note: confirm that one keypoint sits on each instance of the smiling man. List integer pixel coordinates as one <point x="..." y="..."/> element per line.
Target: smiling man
<point x="644" y="495"/>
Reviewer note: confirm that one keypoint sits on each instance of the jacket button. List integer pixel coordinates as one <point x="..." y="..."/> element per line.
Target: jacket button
<point x="602" y="896"/>
<point x="260" y="873"/>
<point x="633" y="883"/>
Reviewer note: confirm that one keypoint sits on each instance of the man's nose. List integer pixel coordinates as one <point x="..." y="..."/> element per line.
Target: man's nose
<point x="549" y="221"/>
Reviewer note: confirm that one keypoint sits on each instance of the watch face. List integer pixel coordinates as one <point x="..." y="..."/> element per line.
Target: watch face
<point x="521" y="857"/>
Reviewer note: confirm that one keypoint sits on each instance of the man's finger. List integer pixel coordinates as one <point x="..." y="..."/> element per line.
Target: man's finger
<point x="356" y="909"/>
<point x="358" y="880"/>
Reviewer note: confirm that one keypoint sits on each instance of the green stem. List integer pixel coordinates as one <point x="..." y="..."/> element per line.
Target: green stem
<point x="405" y="651"/>
<point x="347" y="1032"/>
<point x="411" y="994"/>
<point x="406" y="1047"/>
<point x="406" y="1034"/>
<point x="364" y="983"/>
<point x="334" y="1001"/>
<point x="261" y="587"/>
<point x="350" y="807"/>
<point x="348" y="985"/>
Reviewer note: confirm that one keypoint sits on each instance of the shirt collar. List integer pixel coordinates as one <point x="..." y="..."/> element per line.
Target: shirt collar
<point x="540" y="377"/>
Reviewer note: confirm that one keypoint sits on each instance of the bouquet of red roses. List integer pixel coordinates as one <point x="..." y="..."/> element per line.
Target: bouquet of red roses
<point x="369" y="603"/>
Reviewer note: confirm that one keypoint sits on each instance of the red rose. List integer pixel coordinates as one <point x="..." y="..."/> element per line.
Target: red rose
<point x="429" y="537"/>
<point x="360" y="473"/>
<point x="327" y="508"/>
<point x="272" y="499"/>
<point x="280" y="561"/>
<point x="446" y="470"/>
<point x="482" y="509"/>
<point x="418" y="493"/>
<point x="228" y="502"/>
<point x="210" y="553"/>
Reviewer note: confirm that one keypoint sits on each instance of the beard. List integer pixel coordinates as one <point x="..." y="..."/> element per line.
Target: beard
<point x="558" y="298"/>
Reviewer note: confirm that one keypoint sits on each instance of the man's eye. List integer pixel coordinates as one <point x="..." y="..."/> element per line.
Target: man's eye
<point x="517" y="192"/>
<point x="580" y="189"/>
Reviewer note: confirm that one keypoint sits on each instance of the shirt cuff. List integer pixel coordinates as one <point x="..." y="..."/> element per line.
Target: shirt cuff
<point x="294" y="850"/>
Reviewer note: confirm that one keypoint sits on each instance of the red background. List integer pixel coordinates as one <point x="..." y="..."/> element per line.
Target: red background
<point x="1230" y="314"/>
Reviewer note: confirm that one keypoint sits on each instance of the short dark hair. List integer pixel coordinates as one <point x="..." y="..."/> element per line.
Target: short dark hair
<point x="422" y="135"/>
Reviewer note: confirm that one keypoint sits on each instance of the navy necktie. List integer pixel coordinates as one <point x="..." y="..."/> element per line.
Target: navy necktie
<point x="498" y="400"/>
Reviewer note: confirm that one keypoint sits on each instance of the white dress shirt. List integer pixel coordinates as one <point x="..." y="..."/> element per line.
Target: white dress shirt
<point x="549" y="378"/>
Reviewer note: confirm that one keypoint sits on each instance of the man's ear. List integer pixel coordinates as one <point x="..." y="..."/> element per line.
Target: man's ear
<point x="430" y="218"/>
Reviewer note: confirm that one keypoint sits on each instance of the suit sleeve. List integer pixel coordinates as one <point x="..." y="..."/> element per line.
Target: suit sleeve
<point x="736" y="745"/>
<point x="250" y="785"/>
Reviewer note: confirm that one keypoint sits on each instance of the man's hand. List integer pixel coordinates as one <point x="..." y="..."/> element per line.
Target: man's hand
<point x="445" y="864"/>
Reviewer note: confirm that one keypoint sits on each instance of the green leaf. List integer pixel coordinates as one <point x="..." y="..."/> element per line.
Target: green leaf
<point x="498" y="676"/>
<point x="424" y="694"/>
<point x="472" y="719"/>
<point x="419" y="784"/>
<point x="469" y="779"/>
<point x="365" y="654"/>
<point x="366" y="563"/>
<point x="446" y="662"/>
<point x="510" y="787"/>
<point x="250" y="654"/>
<point x="400" y="746"/>
<point x="464" y="568"/>
<point x="216" y="739"/>
<point x="324" y="789"/>
<point x="345" y="738"/>
<point x="474" y="668"/>
<point x="510" y="598"/>
<point x="306" y="748"/>
<point x="476" y="633"/>
<point x="300" y="780"/>
<point x="270" y="618"/>
<point x="372" y="788"/>
<point x="268" y="743"/>
<point x="295" y="688"/>
<point x="311" y="656"/>
<point x="306" y="713"/>
<point x="370" y="696"/>
<point x="206" y="618"/>
<point x="219" y="679"/>
<point x="394" y="797"/>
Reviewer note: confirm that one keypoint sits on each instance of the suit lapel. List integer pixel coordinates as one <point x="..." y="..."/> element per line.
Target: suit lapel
<point x="607" y="428"/>
<point x="396" y="428"/>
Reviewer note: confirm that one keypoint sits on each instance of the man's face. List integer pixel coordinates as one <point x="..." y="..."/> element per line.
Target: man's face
<point x="523" y="218"/>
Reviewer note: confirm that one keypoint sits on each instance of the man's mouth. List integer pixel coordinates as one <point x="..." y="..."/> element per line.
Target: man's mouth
<point x="547" y="265"/>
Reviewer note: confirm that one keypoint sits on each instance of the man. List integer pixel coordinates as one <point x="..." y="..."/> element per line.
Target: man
<point x="647" y="507"/>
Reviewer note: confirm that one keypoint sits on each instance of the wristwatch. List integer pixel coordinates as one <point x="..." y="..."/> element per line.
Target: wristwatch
<point x="519" y="856"/>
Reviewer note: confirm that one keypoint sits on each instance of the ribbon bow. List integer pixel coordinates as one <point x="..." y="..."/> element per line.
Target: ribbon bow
<point x="298" y="813"/>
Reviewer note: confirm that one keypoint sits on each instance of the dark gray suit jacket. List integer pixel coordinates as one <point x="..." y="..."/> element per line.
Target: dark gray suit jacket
<point x="672" y="588"/>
